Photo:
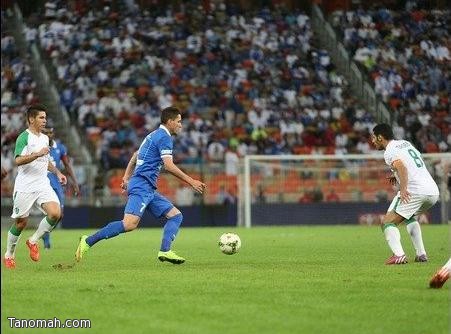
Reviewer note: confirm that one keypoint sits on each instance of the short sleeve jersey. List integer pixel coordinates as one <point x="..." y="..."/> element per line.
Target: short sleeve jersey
<point x="57" y="152"/>
<point x="154" y="147"/>
<point x="419" y="180"/>
<point x="32" y="176"/>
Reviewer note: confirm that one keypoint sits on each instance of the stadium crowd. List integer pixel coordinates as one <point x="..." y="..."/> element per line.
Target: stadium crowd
<point x="406" y="54"/>
<point x="248" y="83"/>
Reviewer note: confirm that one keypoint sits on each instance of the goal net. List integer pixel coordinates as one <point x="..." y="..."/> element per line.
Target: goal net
<point x="327" y="189"/>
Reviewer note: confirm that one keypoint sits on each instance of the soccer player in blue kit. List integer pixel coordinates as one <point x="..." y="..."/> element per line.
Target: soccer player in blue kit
<point x="59" y="159"/>
<point x="140" y="180"/>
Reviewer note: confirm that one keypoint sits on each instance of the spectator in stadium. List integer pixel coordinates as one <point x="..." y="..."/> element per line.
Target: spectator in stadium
<point x="317" y="194"/>
<point x="306" y="197"/>
<point x="184" y="196"/>
<point x="418" y="192"/>
<point x="441" y="276"/>
<point x="231" y="161"/>
<point x="225" y="197"/>
<point x="381" y="196"/>
<point x="140" y="180"/>
<point x="332" y="196"/>
<point x="260" y="196"/>
<point x="60" y="159"/>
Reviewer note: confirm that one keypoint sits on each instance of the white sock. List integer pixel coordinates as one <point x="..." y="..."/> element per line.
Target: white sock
<point x="393" y="238"/>
<point x="414" y="230"/>
<point x="43" y="227"/>
<point x="11" y="245"/>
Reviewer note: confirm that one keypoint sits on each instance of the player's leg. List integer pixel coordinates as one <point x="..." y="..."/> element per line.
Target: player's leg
<point x="414" y="230"/>
<point x="161" y="206"/>
<point x="133" y="212"/>
<point x="421" y="204"/>
<point x="389" y="227"/>
<point x="53" y="215"/>
<point x="441" y="276"/>
<point x="12" y="240"/>
<point x="59" y="191"/>
<point x="21" y="209"/>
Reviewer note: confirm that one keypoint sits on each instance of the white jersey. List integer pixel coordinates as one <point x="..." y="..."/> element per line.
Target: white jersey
<point x="32" y="176"/>
<point x="419" y="181"/>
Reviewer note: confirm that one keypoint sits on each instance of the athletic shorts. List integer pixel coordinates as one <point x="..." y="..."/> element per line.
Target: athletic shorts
<point x="152" y="201"/>
<point x="417" y="205"/>
<point x="23" y="202"/>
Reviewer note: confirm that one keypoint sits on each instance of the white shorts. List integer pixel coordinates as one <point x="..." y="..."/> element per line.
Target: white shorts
<point x="417" y="205"/>
<point x="23" y="202"/>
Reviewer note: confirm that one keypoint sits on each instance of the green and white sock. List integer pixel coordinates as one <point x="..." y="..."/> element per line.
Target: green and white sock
<point x="46" y="225"/>
<point x="13" y="238"/>
<point x="414" y="229"/>
<point x="447" y="265"/>
<point x="393" y="238"/>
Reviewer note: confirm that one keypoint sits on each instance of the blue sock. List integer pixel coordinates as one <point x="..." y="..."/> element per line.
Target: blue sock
<point x="109" y="231"/>
<point x="46" y="239"/>
<point x="170" y="231"/>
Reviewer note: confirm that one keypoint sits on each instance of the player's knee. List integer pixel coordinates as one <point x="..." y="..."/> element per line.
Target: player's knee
<point x="173" y="212"/>
<point x="54" y="215"/>
<point x="21" y="223"/>
<point x="130" y="224"/>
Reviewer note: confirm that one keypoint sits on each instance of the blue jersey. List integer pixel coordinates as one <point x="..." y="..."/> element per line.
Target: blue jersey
<point x="154" y="147"/>
<point x="141" y="187"/>
<point x="57" y="152"/>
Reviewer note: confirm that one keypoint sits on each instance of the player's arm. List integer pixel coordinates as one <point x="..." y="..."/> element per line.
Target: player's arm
<point x="129" y="170"/>
<point x="61" y="177"/>
<point x="401" y="170"/>
<point x="70" y="171"/>
<point x="177" y="172"/>
<point x="26" y="159"/>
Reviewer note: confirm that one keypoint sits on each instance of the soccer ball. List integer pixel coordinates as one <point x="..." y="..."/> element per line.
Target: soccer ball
<point x="229" y="243"/>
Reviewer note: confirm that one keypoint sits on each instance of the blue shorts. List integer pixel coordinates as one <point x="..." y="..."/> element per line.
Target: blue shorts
<point x="141" y="198"/>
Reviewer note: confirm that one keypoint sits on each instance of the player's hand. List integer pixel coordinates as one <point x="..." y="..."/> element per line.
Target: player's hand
<point x="76" y="189"/>
<point x="124" y="185"/>
<point x="43" y="151"/>
<point x="392" y="180"/>
<point x="405" y="196"/>
<point x="62" y="178"/>
<point x="198" y="186"/>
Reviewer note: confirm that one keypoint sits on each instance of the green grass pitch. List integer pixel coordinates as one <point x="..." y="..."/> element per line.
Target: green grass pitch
<point x="283" y="280"/>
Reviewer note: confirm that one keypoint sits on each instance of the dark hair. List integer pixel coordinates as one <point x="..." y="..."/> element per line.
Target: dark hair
<point x="384" y="130"/>
<point x="34" y="110"/>
<point x="169" y="113"/>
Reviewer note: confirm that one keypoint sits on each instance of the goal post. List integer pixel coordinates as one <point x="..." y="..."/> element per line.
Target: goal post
<point x="327" y="189"/>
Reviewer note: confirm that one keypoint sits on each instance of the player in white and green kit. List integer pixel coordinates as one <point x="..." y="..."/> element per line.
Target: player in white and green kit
<point x="418" y="192"/>
<point x="32" y="186"/>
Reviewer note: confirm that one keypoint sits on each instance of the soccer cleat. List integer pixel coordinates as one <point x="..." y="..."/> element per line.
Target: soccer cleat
<point x="439" y="278"/>
<point x="34" y="250"/>
<point x="9" y="262"/>
<point x="396" y="259"/>
<point x="82" y="248"/>
<point x="170" y="256"/>
<point x="421" y="258"/>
